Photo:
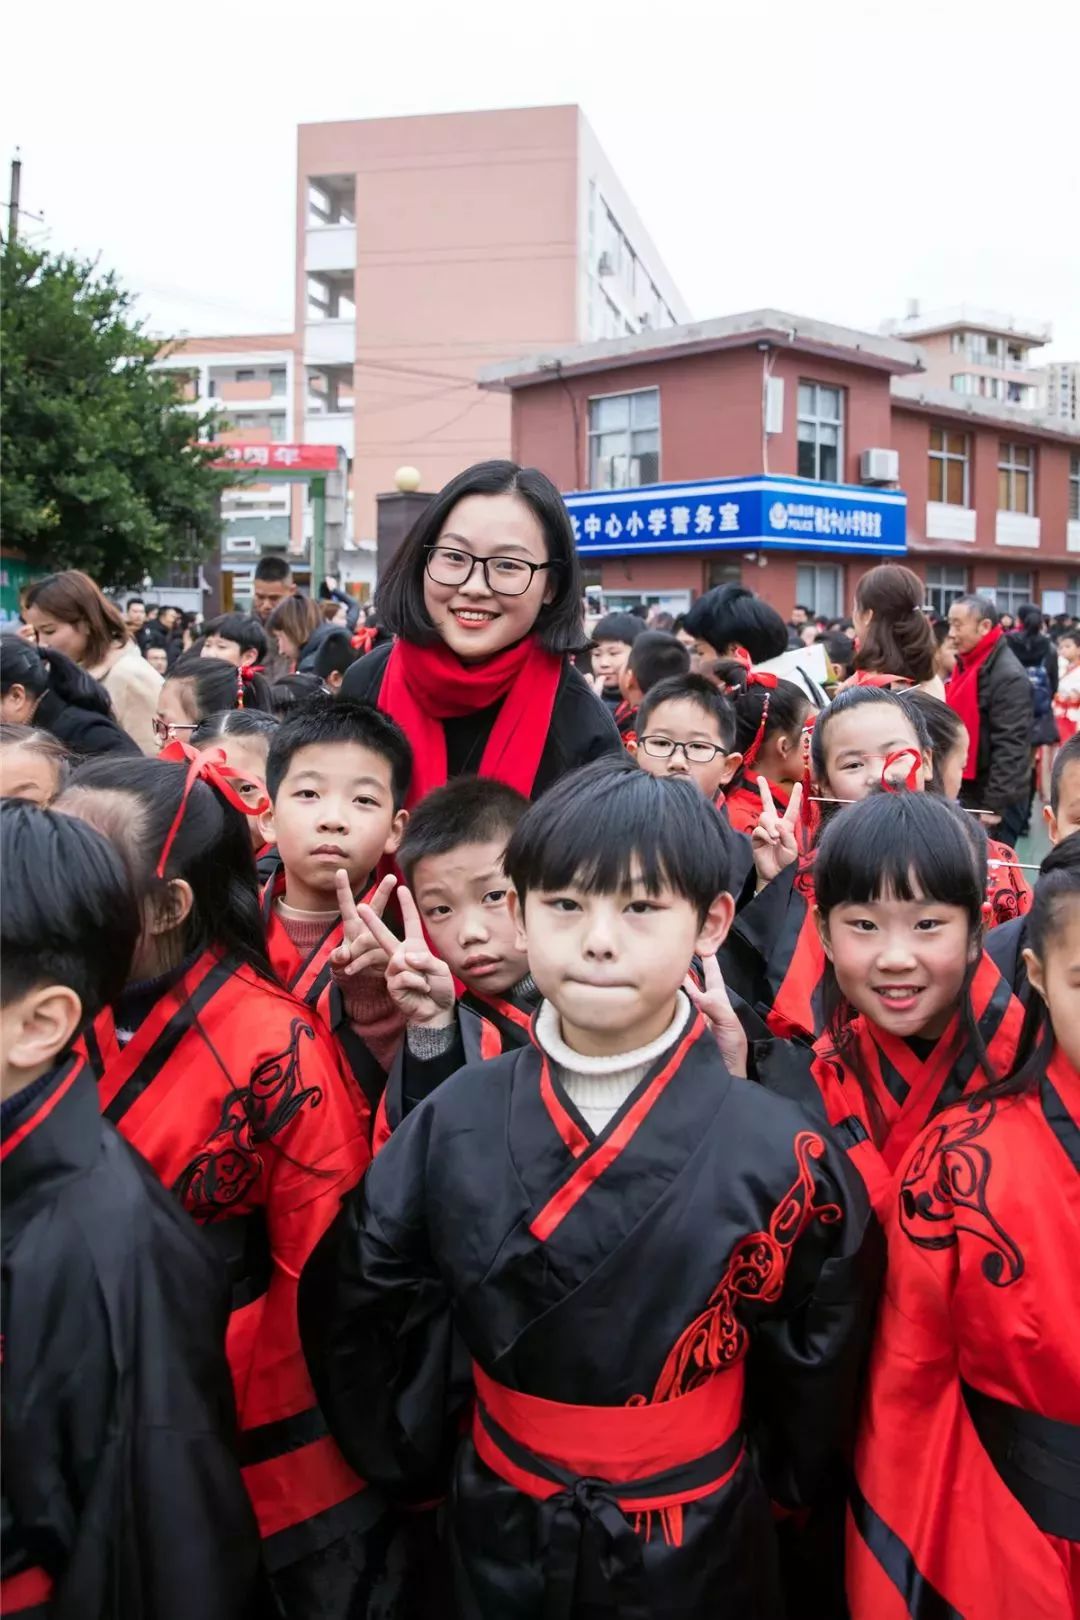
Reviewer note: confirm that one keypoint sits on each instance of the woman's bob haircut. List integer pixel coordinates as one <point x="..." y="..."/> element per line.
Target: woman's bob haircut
<point x="560" y="624"/>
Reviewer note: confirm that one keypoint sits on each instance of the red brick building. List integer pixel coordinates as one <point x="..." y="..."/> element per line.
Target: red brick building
<point x="993" y="491"/>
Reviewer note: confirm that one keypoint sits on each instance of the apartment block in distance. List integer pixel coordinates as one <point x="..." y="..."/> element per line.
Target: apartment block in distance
<point x="1061" y="384"/>
<point x="428" y="248"/>
<point x="978" y="353"/>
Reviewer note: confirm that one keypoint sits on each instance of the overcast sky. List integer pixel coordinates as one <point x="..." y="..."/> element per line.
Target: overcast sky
<point x="834" y="159"/>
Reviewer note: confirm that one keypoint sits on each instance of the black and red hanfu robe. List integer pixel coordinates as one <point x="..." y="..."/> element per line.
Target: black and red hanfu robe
<point x="122" y="1494"/>
<point x="235" y="1095"/>
<point x="879" y="1090"/>
<point x="966" y="1501"/>
<point x="487" y="1026"/>
<point x="310" y="977"/>
<point x="665" y="1320"/>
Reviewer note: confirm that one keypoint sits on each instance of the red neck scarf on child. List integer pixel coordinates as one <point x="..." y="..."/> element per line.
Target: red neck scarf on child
<point x="423" y="686"/>
<point x="962" y="694"/>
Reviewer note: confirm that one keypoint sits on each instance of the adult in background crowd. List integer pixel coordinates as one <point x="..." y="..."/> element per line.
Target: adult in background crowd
<point x="800" y="615"/>
<point x="991" y="693"/>
<point x="164" y="632"/>
<point x="485" y="600"/>
<point x="894" y="636"/>
<point x="40" y="687"/>
<point x="730" y="618"/>
<point x="68" y="611"/>
<point x="135" y="619"/>
<point x="299" y="629"/>
<point x="273" y="582"/>
<point x="1038" y="655"/>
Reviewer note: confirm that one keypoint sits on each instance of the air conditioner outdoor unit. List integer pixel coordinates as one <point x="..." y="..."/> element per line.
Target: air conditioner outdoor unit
<point x="879" y="466"/>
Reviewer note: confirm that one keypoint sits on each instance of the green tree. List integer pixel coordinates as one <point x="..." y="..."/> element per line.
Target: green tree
<point x="100" y="467"/>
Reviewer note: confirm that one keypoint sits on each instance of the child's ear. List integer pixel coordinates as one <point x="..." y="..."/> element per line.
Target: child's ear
<point x="517" y="917"/>
<point x="822" y="926"/>
<point x="1051" y="824"/>
<point x="731" y="765"/>
<point x="265" y="823"/>
<point x="714" y="930"/>
<point x="172" y="907"/>
<point x="397" y="832"/>
<point x="47" y="1022"/>
<point x="1036" y="977"/>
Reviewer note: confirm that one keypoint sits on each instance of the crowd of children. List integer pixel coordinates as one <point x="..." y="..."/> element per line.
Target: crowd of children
<point x="480" y="1146"/>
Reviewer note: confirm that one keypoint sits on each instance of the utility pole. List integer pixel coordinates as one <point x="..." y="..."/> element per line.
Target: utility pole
<point x="13" y="199"/>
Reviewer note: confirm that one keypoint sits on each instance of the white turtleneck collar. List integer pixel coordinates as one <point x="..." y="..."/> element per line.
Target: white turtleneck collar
<point x="598" y="1086"/>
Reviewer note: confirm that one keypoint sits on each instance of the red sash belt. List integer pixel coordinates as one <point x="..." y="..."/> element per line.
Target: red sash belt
<point x="592" y="1466"/>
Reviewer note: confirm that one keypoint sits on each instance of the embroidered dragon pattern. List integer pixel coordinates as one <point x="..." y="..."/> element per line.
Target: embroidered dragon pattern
<point x="945" y="1191"/>
<point x="716" y="1340"/>
<point x="224" y="1172"/>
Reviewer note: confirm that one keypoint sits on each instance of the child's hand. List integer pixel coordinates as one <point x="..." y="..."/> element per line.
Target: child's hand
<point x="361" y="949"/>
<point x="774" y="841"/>
<point x="420" y="983"/>
<point x="713" y="1004"/>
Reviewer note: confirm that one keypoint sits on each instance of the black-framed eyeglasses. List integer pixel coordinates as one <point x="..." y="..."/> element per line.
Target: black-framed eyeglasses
<point x="695" y="753"/>
<point x="166" y="730"/>
<point x="505" y="576"/>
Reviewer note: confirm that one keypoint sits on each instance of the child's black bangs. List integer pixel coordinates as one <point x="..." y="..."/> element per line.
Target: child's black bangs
<point x="904" y="846"/>
<point x="610" y="826"/>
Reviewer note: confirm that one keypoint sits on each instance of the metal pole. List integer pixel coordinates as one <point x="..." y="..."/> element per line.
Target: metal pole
<point x="318" y="533"/>
<point x="13" y="199"/>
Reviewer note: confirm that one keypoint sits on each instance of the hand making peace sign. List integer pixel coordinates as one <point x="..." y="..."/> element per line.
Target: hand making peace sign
<point x="419" y="982"/>
<point x="360" y="948"/>
<point x="774" y="840"/>
<point x="716" y="1009"/>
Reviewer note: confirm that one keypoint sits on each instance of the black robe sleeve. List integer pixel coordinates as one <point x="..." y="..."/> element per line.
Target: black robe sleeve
<point x="376" y="1327"/>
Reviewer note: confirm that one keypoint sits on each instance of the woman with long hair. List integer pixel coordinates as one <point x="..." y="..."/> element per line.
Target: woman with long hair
<point x="40" y="687"/>
<point x="895" y="638"/>
<point x="298" y="627"/>
<point x="484" y="599"/>
<point x="68" y="611"/>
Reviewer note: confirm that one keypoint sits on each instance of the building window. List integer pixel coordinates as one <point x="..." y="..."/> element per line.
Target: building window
<point x="1072" y="595"/>
<point x="1016" y="478"/>
<point x="244" y="376"/>
<point x="1074" y="488"/>
<point x="948" y="467"/>
<point x="1013" y="591"/>
<point x="944" y="586"/>
<point x="821" y="432"/>
<point x="820" y="587"/>
<point x="277" y="379"/>
<point x="624" y="440"/>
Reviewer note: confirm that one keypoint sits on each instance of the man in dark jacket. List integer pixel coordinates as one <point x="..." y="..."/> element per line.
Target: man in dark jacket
<point x="122" y="1495"/>
<point x="991" y="693"/>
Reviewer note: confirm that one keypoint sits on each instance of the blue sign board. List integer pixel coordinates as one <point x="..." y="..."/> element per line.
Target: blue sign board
<point x="732" y="514"/>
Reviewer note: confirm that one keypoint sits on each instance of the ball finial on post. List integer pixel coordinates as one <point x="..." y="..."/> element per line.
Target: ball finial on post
<point x="407" y="480"/>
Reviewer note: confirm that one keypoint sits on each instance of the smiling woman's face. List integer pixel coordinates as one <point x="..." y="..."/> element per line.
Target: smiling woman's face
<point x="474" y="621"/>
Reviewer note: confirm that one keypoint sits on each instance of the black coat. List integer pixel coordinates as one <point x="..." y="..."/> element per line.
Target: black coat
<point x="84" y="731"/>
<point x="1003" y="767"/>
<point x="120" y="1483"/>
<point x="1039" y="657"/>
<point x="581" y="726"/>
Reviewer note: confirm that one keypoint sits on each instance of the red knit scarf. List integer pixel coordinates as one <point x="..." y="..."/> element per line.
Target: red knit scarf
<point x="962" y="694"/>
<point x="423" y="686"/>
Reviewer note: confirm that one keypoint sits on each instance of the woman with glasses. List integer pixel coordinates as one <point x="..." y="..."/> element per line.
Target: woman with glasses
<point x="40" y="687"/>
<point x="198" y="686"/>
<point x="484" y="600"/>
<point x="68" y="611"/>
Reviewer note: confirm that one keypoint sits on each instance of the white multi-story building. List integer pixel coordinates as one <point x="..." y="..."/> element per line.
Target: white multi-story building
<point x="1061" y="384"/>
<point x="978" y="353"/>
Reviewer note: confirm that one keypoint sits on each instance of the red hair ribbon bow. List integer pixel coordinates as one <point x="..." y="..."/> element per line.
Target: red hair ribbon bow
<point x="767" y="680"/>
<point x="210" y="767"/>
<point x="741" y="654"/>
<point x="911" y="780"/>
<point x="364" y="639"/>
